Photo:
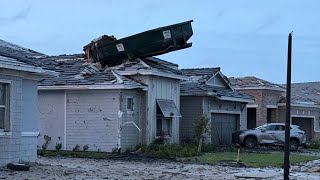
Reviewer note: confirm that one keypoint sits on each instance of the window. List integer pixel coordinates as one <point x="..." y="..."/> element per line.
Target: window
<point x="164" y="126"/>
<point x="4" y="106"/>
<point x="129" y="103"/>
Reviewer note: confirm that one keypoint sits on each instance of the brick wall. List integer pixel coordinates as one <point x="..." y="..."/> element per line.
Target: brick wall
<point x="262" y="99"/>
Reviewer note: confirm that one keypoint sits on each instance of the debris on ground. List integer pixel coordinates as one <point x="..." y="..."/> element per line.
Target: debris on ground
<point x="83" y="168"/>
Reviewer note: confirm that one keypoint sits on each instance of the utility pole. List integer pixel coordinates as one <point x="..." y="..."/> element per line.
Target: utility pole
<point x="286" y="162"/>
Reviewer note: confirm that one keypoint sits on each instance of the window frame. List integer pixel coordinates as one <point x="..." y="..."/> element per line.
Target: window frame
<point x="163" y="119"/>
<point x="8" y="107"/>
<point x="132" y="103"/>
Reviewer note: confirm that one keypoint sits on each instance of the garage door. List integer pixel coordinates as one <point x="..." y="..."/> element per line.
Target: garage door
<point x="222" y="127"/>
<point x="305" y="125"/>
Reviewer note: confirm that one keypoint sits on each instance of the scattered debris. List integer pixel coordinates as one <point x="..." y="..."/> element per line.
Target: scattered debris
<point x="18" y="167"/>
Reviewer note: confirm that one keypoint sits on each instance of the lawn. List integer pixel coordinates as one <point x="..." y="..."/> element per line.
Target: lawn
<point x="79" y="154"/>
<point x="252" y="159"/>
<point x="312" y="150"/>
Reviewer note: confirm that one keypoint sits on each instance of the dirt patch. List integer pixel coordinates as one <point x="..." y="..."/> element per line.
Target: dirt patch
<point x="76" y="168"/>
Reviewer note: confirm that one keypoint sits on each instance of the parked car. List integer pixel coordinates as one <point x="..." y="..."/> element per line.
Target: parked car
<point x="270" y="134"/>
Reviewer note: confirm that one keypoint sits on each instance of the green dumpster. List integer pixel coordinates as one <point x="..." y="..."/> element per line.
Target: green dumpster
<point x="109" y="51"/>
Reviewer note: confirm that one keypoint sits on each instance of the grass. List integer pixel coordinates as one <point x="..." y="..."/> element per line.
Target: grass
<point x="252" y="159"/>
<point x="79" y="154"/>
<point x="188" y="153"/>
<point x="312" y="150"/>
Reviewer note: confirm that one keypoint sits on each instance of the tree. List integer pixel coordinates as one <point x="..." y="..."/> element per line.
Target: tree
<point x="201" y="127"/>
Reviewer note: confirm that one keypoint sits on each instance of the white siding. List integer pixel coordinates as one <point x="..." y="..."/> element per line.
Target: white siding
<point x="160" y="88"/>
<point x="216" y="81"/>
<point x="130" y="135"/>
<point x="92" y="119"/>
<point x="51" y="106"/>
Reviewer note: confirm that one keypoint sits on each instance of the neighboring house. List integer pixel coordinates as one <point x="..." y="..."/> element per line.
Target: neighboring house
<point x="309" y="92"/>
<point x="208" y="93"/>
<point x="106" y="109"/>
<point x="270" y="105"/>
<point x="18" y="103"/>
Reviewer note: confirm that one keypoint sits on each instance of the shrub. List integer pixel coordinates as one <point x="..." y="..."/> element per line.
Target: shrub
<point x="161" y="139"/>
<point x="47" y="140"/>
<point x="85" y="147"/>
<point x="201" y="127"/>
<point x="314" y="144"/>
<point x="115" y="150"/>
<point x="207" y="148"/>
<point x="76" y="148"/>
<point x="58" y="146"/>
<point x="170" y="150"/>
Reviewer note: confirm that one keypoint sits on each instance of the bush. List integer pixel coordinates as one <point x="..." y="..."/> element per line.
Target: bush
<point x="85" y="147"/>
<point x="313" y="144"/>
<point x="76" y="148"/>
<point x="58" y="146"/>
<point x="170" y="150"/>
<point x="207" y="148"/>
<point x="47" y="140"/>
<point x="201" y="127"/>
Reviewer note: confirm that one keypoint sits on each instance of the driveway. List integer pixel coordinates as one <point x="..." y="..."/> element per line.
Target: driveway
<point x="76" y="168"/>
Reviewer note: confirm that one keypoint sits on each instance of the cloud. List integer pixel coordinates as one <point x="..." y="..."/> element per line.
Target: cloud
<point x="22" y="14"/>
<point x="268" y="22"/>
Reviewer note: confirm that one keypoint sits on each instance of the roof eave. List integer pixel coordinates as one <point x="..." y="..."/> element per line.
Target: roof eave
<point x="236" y="99"/>
<point x="260" y="88"/>
<point x="151" y="72"/>
<point x="91" y="87"/>
<point x="300" y="105"/>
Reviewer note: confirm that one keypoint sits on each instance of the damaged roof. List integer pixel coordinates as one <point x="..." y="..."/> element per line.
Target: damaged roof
<point x="8" y="49"/>
<point x="149" y="66"/>
<point x="16" y="57"/>
<point x="197" y="85"/>
<point x="308" y="90"/>
<point x="254" y="83"/>
<point x="73" y="71"/>
<point x="298" y="99"/>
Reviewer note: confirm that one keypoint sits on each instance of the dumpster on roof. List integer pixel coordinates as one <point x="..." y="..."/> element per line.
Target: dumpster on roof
<point x="107" y="50"/>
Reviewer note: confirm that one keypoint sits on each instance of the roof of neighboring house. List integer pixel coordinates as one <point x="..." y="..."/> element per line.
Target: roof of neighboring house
<point x="201" y="71"/>
<point x="74" y="71"/>
<point x="299" y="100"/>
<point x="251" y="82"/>
<point x="19" y="58"/>
<point x="310" y="90"/>
<point x="12" y="50"/>
<point x="197" y="85"/>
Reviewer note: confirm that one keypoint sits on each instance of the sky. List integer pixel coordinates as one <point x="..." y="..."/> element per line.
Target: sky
<point x="243" y="38"/>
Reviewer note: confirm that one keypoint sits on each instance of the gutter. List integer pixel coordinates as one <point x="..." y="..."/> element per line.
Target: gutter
<point x="301" y="105"/>
<point x="87" y="87"/>
<point x="226" y="98"/>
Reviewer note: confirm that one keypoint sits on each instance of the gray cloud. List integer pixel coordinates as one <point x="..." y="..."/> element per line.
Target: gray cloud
<point x="22" y="14"/>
